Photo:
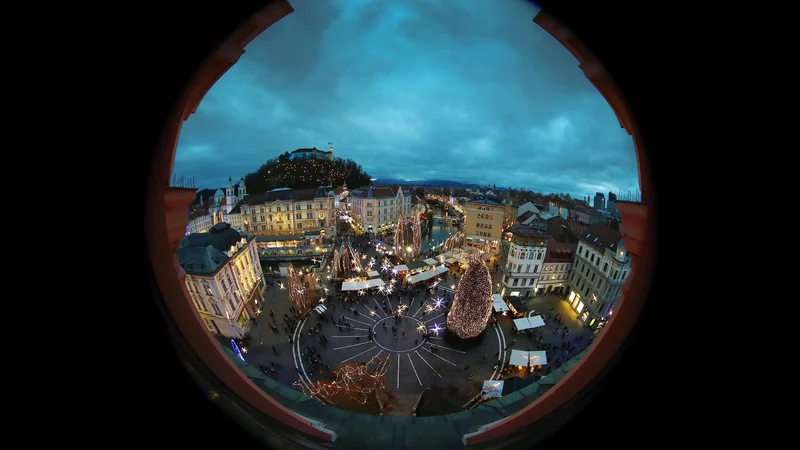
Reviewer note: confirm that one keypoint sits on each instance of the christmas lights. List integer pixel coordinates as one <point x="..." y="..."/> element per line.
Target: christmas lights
<point x="400" y="237"/>
<point x="297" y="294"/>
<point x="455" y="241"/>
<point x="417" y="242"/>
<point x="472" y="302"/>
<point x="355" y="381"/>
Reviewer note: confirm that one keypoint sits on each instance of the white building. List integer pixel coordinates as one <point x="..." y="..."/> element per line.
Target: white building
<point x="525" y="260"/>
<point x="224" y="202"/>
<point x="600" y="267"/>
<point x="224" y="278"/>
<point x="199" y="222"/>
<point x="377" y="208"/>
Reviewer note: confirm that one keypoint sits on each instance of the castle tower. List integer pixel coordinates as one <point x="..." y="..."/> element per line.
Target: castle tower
<point x="330" y="155"/>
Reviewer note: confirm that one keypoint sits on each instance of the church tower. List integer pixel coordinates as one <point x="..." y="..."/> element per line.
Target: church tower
<point x="230" y="198"/>
<point x="242" y="189"/>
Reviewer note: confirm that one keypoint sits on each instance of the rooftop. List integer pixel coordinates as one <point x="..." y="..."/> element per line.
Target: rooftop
<point x="206" y="253"/>
<point x="601" y="237"/>
<point x="484" y="201"/>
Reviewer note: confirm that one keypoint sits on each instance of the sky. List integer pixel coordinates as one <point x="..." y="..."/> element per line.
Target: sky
<point x="415" y="90"/>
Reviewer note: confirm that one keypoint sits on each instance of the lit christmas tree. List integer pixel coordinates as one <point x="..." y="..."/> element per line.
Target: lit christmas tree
<point x="472" y="303"/>
<point x="299" y="294"/>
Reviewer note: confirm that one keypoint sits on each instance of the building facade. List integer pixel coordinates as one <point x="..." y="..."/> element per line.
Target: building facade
<point x="483" y="224"/>
<point x="285" y="211"/>
<point x="377" y="208"/>
<point x="199" y="222"/>
<point x="224" y="278"/>
<point x="600" y="267"/>
<point x="524" y="262"/>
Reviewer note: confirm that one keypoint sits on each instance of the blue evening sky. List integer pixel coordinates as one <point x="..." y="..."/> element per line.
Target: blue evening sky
<point x="465" y="90"/>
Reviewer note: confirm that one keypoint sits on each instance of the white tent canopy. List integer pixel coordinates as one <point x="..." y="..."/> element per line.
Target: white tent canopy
<point x="518" y="358"/>
<point x="373" y="273"/>
<point x="430" y="261"/>
<point x="450" y="260"/>
<point x="428" y="274"/>
<point x="498" y="303"/>
<point x="524" y="359"/>
<point x="526" y="323"/>
<point x="359" y="285"/>
<point x="400" y="268"/>
<point x="492" y="388"/>
<point x="320" y="309"/>
<point x="536" y="321"/>
<point x="537" y="358"/>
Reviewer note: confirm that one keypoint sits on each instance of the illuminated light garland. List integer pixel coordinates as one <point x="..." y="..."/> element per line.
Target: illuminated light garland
<point x="417" y="242"/>
<point x="472" y="302"/>
<point x="455" y="241"/>
<point x="301" y="300"/>
<point x="400" y="237"/>
<point x="355" y="381"/>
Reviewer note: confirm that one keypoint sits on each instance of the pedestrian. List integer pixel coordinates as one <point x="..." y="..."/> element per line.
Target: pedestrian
<point x="274" y="350"/>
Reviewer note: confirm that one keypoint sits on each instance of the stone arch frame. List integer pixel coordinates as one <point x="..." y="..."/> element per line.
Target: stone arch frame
<point x="171" y="203"/>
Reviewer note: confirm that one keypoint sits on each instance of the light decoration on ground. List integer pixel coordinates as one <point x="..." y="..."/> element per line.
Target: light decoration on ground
<point x="472" y="302"/>
<point x="452" y="286"/>
<point x="436" y="329"/>
<point x="421" y="328"/>
<point x="355" y="381"/>
<point x="281" y="285"/>
<point x="297" y="294"/>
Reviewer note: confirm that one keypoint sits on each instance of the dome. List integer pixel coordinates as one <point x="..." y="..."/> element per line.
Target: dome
<point x="219" y="193"/>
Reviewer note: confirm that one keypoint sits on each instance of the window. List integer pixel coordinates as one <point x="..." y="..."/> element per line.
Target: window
<point x="208" y="290"/>
<point x="263" y="227"/>
<point x="297" y="207"/>
<point x="592" y="258"/>
<point x="298" y="216"/>
<point x="198" y="304"/>
<point x="528" y="268"/>
<point x="262" y="210"/>
<point x="605" y="267"/>
<point x="216" y="308"/>
<point x="299" y="225"/>
<point x="514" y="283"/>
<point x="309" y="206"/>
<point x="224" y="286"/>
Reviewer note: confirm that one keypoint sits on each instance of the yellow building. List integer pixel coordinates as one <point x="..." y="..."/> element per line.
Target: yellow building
<point x="285" y="211"/>
<point x="224" y="278"/>
<point x="483" y="224"/>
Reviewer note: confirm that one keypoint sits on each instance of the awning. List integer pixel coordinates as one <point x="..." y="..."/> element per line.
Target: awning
<point x="536" y="321"/>
<point x="518" y="358"/>
<point x="447" y="254"/>
<point x="373" y="274"/>
<point x="450" y="260"/>
<point x="498" y="303"/>
<point x="400" y="268"/>
<point x="430" y="261"/>
<point x="526" y="323"/>
<point x="428" y="274"/>
<point x="537" y="358"/>
<point x="359" y="285"/>
<point x="492" y="389"/>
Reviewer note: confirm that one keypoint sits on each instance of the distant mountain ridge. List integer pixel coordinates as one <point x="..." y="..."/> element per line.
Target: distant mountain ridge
<point x="438" y="183"/>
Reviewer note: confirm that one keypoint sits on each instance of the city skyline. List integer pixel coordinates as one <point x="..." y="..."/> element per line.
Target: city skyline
<point x="416" y="91"/>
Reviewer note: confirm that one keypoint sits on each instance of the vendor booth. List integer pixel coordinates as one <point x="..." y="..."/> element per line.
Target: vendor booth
<point x="426" y="275"/>
<point x="359" y="285"/>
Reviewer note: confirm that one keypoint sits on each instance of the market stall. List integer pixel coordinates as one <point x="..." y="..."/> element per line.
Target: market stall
<point x="359" y="285"/>
<point x="498" y="303"/>
<point x="426" y="275"/>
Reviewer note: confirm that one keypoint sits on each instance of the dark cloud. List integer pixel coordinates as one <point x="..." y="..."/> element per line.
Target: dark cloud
<point x="461" y="90"/>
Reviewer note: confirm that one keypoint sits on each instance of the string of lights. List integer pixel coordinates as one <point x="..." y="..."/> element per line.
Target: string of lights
<point x="455" y="241"/>
<point x="417" y="244"/>
<point x="472" y="302"/>
<point x="355" y="381"/>
<point x="298" y="294"/>
<point x="400" y="237"/>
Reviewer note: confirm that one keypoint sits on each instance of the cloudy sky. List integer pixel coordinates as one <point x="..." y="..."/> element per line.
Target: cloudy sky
<point x="418" y="89"/>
